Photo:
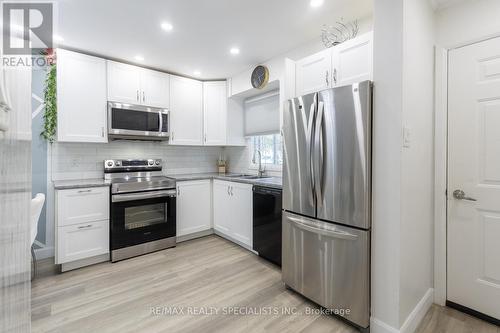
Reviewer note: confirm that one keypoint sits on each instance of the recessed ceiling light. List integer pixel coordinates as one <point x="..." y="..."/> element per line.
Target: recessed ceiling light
<point x="167" y="26"/>
<point x="58" y="38"/>
<point x="139" y="58"/>
<point x="197" y="73"/>
<point x="316" y="3"/>
<point x="234" y="50"/>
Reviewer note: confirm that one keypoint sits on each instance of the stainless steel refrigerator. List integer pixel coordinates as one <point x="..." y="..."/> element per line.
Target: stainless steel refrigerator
<point x="327" y="199"/>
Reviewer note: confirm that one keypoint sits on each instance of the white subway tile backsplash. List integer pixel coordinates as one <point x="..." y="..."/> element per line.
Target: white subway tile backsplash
<point x="85" y="160"/>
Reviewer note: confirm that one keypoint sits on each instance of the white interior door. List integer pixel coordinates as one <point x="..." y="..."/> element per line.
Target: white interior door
<point x="474" y="168"/>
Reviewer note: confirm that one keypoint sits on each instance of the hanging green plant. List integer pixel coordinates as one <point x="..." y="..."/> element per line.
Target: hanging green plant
<point x="50" y="115"/>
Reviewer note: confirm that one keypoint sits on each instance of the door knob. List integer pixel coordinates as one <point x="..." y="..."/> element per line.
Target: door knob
<point x="460" y="195"/>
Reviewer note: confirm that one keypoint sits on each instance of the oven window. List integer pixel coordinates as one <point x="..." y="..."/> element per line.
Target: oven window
<point x="135" y="120"/>
<point x="144" y="216"/>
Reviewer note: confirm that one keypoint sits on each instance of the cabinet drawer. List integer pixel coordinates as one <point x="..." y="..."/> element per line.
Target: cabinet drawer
<point x="82" y="205"/>
<point x="80" y="241"/>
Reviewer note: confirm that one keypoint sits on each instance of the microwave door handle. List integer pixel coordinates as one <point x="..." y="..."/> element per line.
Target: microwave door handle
<point x="160" y="121"/>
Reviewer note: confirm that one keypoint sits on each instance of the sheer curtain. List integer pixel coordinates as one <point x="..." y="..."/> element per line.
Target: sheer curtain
<point x="15" y="197"/>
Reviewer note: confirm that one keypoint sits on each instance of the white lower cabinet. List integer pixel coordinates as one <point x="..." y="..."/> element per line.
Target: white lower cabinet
<point x="233" y="211"/>
<point x="81" y="241"/>
<point x="194" y="206"/>
<point x="82" y="224"/>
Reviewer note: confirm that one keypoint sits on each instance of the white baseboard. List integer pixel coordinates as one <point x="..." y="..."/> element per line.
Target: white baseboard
<point x="378" y="326"/>
<point x="412" y="321"/>
<point x="198" y="234"/>
<point x="44" y="252"/>
<point x="415" y="317"/>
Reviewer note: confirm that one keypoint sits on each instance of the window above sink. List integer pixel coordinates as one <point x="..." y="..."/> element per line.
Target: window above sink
<point x="271" y="148"/>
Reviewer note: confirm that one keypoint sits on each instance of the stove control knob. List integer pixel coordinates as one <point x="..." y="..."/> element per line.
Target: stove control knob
<point x="150" y="162"/>
<point x="157" y="162"/>
<point x="118" y="163"/>
<point x="110" y="164"/>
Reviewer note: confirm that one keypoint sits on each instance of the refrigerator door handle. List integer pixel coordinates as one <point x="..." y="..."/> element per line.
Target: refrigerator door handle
<point x="318" y="155"/>
<point x="310" y="159"/>
<point x="311" y="227"/>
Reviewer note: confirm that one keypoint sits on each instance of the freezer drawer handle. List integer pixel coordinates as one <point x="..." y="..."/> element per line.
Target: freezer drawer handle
<point x="304" y="225"/>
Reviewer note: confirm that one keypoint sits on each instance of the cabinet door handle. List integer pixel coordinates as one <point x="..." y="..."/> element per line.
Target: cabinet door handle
<point x="143" y="96"/>
<point x="84" y="191"/>
<point x="178" y="191"/>
<point x="205" y="137"/>
<point x="85" y="226"/>
<point x="102" y="132"/>
<point x="232" y="191"/>
<point x="326" y="79"/>
<point x="335" y="76"/>
<point x="228" y="190"/>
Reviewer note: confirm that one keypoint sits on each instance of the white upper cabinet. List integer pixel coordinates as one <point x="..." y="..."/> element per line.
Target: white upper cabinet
<point x="155" y="88"/>
<point x="352" y="60"/>
<point x="81" y="98"/>
<point x="346" y="63"/>
<point x="214" y="113"/>
<point x="136" y="85"/>
<point x="194" y="206"/>
<point x="186" y="111"/>
<point x="124" y="83"/>
<point x="313" y="73"/>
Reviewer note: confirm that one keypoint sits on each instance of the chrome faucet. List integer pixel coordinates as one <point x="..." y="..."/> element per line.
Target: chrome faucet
<point x="262" y="170"/>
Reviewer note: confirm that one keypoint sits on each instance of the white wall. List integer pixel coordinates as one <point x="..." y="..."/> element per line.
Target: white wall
<point x="417" y="164"/>
<point x="402" y="239"/>
<point x="468" y="21"/>
<point x="387" y="120"/>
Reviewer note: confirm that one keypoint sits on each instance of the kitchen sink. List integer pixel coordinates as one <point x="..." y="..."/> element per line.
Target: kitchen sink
<point x="254" y="177"/>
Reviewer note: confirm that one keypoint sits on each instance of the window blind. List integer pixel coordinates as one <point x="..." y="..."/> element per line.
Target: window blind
<point x="262" y="114"/>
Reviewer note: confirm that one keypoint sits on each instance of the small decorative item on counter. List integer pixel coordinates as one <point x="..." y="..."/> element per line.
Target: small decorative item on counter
<point x="222" y="165"/>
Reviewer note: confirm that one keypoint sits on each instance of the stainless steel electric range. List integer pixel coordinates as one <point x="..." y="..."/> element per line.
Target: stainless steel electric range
<point x="142" y="207"/>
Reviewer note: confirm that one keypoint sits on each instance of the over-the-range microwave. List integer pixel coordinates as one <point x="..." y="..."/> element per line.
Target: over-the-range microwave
<point x="137" y="122"/>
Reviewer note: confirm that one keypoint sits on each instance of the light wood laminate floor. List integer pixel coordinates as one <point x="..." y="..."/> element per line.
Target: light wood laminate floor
<point x="206" y="274"/>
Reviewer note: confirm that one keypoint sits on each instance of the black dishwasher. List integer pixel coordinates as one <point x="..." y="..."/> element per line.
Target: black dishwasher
<point x="267" y="223"/>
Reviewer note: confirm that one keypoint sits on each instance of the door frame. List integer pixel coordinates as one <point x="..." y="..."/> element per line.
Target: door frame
<point x="441" y="55"/>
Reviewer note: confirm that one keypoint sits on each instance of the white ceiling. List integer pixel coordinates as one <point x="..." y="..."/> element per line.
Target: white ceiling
<point x="203" y="30"/>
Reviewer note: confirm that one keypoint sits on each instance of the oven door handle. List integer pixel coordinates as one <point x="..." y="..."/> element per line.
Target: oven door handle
<point x="143" y="195"/>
